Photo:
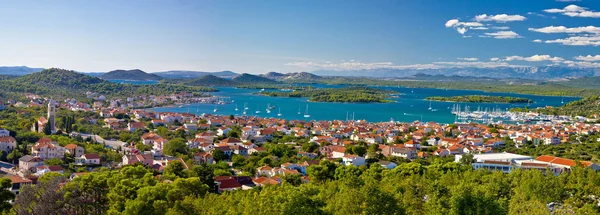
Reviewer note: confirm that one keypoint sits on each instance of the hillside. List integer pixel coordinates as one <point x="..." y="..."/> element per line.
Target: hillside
<point x="305" y="76"/>
<point x="210" y="80"/>
<point x="136" y="74"/>
<point x="177" y="74"/>
<point x="60" y="83"/>
<point x="246" y="78"/>
<point x="587" y="107"/>
<point x="585" y="82"/>
<point x="18" y="70"/>
<point x="274" y="75"/>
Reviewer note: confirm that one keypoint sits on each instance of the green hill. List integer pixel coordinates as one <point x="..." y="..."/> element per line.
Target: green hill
<point x="210" y="80"/>
<point x="585" y="82"/>
<point x="136" y="74"/>
<point x="246" y="78"/>
<point x="60" y="83"/>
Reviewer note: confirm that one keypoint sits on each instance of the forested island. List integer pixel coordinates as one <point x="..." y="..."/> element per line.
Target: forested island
<point x="348" y="94"/>
<point x="480" y="99"/>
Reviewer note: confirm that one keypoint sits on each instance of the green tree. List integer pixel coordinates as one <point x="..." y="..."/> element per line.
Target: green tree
<point x="176" y="168"/>
<point x="175" y="146"/>
<point x="219" y="155"/>
<point x="5" y="195"/>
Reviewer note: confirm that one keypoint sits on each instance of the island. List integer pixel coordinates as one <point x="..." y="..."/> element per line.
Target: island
<point x="480" y="99"/>
<point x="347" y="94"/>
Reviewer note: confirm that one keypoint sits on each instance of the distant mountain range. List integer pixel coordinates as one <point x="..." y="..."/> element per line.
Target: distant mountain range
<point x="175" y="74"/>
<point x="535" y="73"/>
<point x="297" y="76"/>
<point x="18" y="70"/>
<point x="136" y="74"/>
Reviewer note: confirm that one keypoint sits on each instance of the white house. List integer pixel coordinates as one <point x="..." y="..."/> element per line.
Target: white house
<point x="353" y="160"/>
<point x="88" y="159"/>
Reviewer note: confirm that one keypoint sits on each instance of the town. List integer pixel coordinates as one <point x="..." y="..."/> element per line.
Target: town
<point x="253" y="151"/>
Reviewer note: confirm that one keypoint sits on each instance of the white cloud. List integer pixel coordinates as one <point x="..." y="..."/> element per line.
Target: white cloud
<point x="574" y="11"/>
<point x="478" y="64"/>
<point x="499" y="18"/>
<point x="578" y="41"/>
<point x="494" y="59"/>
<point x="563" y="29"/>
<point x="461" y="30"/>
<point x="478" y="28"/>
<point x="588" y="58"/>
<point x="534" y="58"/>
<point x="537" y="41"/>
<point x="503" y="35"/>
<point x="501" y="27"/>
<point x="568" y="0"/>
<point x="468" y="58"/>
<point x="457" y="23"/>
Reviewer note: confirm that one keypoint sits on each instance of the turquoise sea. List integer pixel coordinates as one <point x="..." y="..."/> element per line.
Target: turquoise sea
<point x="409" y="106"/>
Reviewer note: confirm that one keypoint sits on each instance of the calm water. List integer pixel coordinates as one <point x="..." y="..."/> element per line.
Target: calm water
<point x="408" y="107"/>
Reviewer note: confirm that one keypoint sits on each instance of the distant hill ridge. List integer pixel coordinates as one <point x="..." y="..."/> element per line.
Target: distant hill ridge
<point x="246" y="78"/>
<point x="296" y="76"/>
<point x="18" y="70"/>
<point x="135" y="74"/>
<point x="178" y="74"/>
<point x="211" y="80"/>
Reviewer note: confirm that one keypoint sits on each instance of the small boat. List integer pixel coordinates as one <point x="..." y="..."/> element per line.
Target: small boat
<point x="236" y="109"/>
<point x="306" y="115"/>
<point x="429" y="106"/>
<point x="279" y="114"/>
<point x="257" y="110"/>
<point x="269" y="108"/>
<point x="299" y="111"/>
<point x="215" y="110"/>
<point x="245" y="106"/>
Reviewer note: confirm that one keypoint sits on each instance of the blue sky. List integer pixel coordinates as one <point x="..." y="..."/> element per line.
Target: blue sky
<point x="257" y="36"/>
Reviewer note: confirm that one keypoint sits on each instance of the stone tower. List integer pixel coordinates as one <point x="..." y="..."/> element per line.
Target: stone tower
<point x="52" y="115"/>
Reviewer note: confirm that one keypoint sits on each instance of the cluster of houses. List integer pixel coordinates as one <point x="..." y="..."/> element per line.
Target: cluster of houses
<point x="402" y="140"/>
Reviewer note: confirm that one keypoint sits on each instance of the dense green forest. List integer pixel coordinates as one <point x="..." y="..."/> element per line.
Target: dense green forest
<point x="410" y="188"/>
<point x="480" y="99"/>
<point x="348" y="94"/>
<point x="587" y="106"/>
<point x="65" y="83"/>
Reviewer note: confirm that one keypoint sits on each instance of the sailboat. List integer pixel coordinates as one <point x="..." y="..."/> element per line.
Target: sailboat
<point x="268" y="108"/>
<point x="299" y="111"/>
<point x="562" y="101"/>
<point x="306" y="115"/>
<point x="236" y="109"/>
<point x="246" y="106"/>
<point x="215" y="110"/>
<point x="429" y="106"/>
<point x="279" y="114"/>
<point x="257" y="110"/>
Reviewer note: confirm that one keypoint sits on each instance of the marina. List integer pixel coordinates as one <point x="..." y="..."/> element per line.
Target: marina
<point x="409" y="106"/>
